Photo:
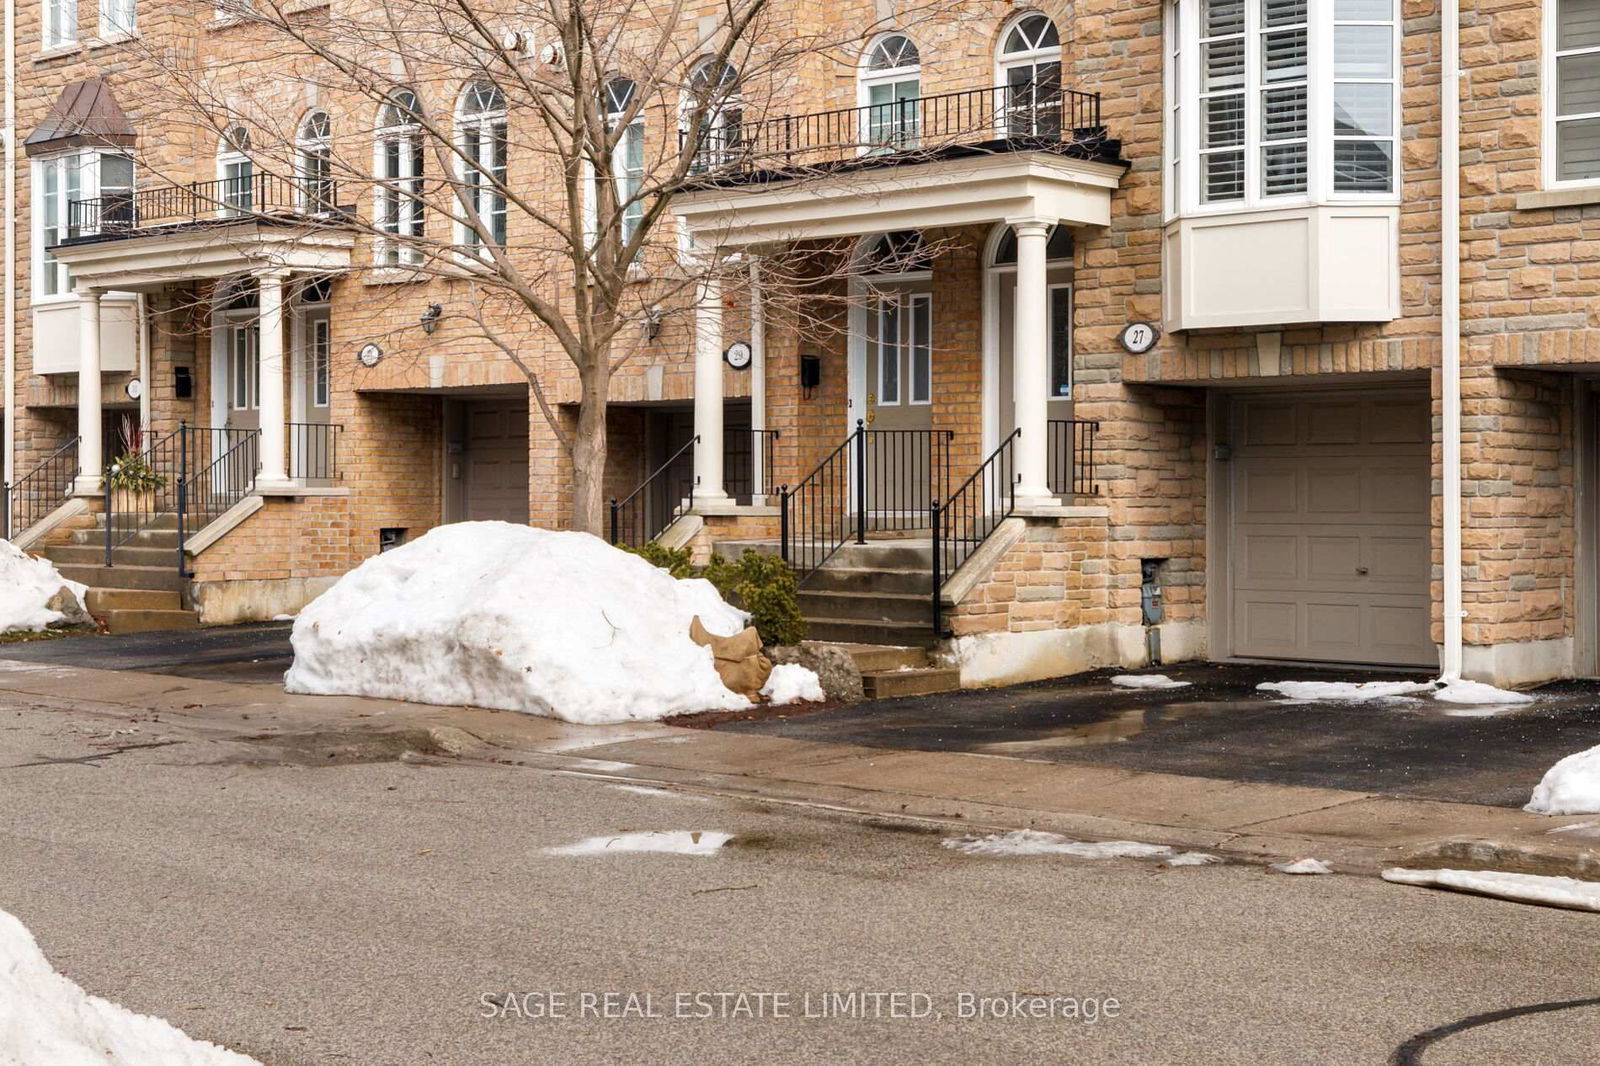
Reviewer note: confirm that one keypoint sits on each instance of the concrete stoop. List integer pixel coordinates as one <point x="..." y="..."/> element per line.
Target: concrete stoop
<point x="876" y="601"/>
<point x="141" y="591"/>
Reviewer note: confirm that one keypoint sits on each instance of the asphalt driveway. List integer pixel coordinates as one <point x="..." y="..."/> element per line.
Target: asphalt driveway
<point x="1217" y="726"/>
<point x="1220" y="726"/>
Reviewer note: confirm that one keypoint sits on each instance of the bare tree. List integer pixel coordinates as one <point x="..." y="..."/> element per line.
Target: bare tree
<point x="530" y="153"/>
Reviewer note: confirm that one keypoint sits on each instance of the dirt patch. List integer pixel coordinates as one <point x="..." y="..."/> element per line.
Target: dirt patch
<point x="344" y="747"/>
<point x="760" y="713"/>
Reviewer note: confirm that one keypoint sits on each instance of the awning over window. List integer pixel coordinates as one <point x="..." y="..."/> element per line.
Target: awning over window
<point x="84" y="115"/>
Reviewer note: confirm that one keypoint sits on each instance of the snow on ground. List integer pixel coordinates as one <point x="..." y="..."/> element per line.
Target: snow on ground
<point x="1566" y="892"/>
<point x="491" y="614"/>
<point x="1192" y="858"/>
<point x="1454" y="692"/>
<point x="27" y="585"/>
<point x="1302" y="866"/>
<point x="47" y="1020"/>
<point x="658" y="793"/>
<point x="1571" y="786"/>
<point x="1345" y="691"/>
<point x="1147" y="681"/>
<point x="1035" y="842"/>
<point x="791" y="683"/>
<point x="674" y="841"/>
<point x="1583" y="829"/>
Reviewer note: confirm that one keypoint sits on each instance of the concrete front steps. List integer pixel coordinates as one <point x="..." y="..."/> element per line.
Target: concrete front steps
<point x="142" y="591"/>
<point x="875" y="600"/>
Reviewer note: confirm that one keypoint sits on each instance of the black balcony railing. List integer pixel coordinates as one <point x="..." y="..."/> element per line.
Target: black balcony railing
<point x="1071" y="457"/>
<point x="38" y="492"/>
<point x="1002" y="118"/>
<point x="314" y="451"/>
<point x="246" y="196"/>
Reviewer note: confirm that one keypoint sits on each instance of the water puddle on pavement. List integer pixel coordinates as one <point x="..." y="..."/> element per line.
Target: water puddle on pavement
<point x="1114" y="728"/>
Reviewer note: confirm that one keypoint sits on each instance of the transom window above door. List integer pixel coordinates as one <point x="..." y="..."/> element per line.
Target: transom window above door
<point x="1280" y="101"/>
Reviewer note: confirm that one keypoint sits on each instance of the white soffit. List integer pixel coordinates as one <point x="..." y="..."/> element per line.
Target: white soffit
<point x="981" y="189"/>
<point x="156" y="259"/>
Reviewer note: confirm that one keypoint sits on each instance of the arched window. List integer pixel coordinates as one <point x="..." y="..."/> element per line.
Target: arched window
<point x="314" y="164"/>
<point x="714" y="94"/>
<point x="1030" y="73"/>
<point x="398" y="210"/>
<point x="891" y="88"/>
<point x="235" y="172"/>
<point x="627" y="157"/>
<point x="1059" y="248"/>
<point x="900" y="252"/>
<point x="481" y="141"/>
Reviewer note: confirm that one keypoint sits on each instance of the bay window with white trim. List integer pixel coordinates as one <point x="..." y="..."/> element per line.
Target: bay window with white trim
<point x="1572" y="92"/>
<point x="1281" y="103"/>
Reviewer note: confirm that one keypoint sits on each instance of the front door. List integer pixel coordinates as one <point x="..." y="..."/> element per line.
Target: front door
<point x="496" y="461"/>
<point x="902" y="454"/>
<point x="311" y="434"/>
<point x="1065" y="437"/>
<point x="242" y="371"/>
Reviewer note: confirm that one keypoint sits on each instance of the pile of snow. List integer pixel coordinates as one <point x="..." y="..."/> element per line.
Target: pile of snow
<point x="1457" y="691"/>
<point x="1147" y="681"/>
<point x="45" y="1018"/>
<point x="1192" y="858"/>
<point x="675" y="841"/>
<point x="491" y="614"/>
<point x="1571" y="786"/>
<point x="1566" y="892"/>
<point x="31" y="593"/>
<point x="1034" y="842"/>
<point x="1301" y="866"/>
<point x="791" y="683"/>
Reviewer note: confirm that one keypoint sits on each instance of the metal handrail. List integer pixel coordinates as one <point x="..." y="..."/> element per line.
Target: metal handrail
<point x="970" y="514"/>
<point x="48" y="484"/>
<point x="617" y="505"/>
<point x="314" y="451"/>
<point x="1071" y="457"/>
<point x="204" y="495"/>
<point x="129" y="513"/>
<point x="1031" y="112"/>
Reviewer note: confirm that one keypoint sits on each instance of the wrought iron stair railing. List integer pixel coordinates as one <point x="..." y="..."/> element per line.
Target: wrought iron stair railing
<point x="969" y="516"/>
<point x="224" y="474"/>
<point x="38" y="492"/>
<point x="1071" y="462"/>
<point x="635" y="518"/>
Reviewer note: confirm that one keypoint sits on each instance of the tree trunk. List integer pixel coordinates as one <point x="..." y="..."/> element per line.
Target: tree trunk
<point x="589" y="450"/>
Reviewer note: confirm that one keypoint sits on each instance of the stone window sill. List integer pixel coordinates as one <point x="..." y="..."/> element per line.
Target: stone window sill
<point x="60" y="51"/>
<point x="1545" y="199"/>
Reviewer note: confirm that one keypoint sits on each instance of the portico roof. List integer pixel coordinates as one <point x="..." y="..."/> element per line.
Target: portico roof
<point x="155" y="259"/>
<point x="954" y="192"/>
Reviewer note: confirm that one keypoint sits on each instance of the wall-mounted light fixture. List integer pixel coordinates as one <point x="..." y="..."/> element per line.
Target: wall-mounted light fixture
<point x="652" y="322"/>
<point x="430" y="317"/>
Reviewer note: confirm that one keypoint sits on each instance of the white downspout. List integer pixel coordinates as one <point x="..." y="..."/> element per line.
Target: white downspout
<point x="141" y="336"/>
<point x="9" y="414"/>
<point x="1450" y="316"/>
<point x="758" y="385"/>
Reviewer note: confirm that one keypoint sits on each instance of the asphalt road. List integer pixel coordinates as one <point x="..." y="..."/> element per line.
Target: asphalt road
<point x="360" y="913"/>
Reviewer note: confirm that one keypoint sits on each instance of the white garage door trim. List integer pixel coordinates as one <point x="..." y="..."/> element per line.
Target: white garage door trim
<point x="1329" y="528"/>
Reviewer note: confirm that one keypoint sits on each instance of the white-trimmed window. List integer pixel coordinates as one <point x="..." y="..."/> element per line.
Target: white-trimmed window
<point x="1059" y="323"/>
<point x="1572" y="80"/>
<point x="714" y="90"/>
<point x="891" y="93"/>
<point x="118" y="18"/>
<point x="627" y="158"/>
<point x="236" y="173"/>
<point x="321" y="350"/>
<point x="398" y="210"/>
<point x="105" y="178"/>
<point x="1281" y="101"/>
<point x="1029" y="66"/>
<point x="481" y="142"/>
<point x="60" y="19"/>
<point x="905" y="348"/>
<point x="244" y="359"/>
<point x="314" y="164"/>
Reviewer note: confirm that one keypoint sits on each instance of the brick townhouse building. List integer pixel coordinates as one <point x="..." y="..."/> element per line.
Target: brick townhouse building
<point x="1211" y="304"/>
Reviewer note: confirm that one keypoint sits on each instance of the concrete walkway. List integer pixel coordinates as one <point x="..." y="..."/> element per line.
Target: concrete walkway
<point x="1357" y="831"/>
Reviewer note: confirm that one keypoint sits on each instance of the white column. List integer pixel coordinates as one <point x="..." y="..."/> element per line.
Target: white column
<point x="1030" y="354"/>
<point x="274" y="431"/>
<point x="758" y="385"/>
<point x="708" y="394"/>
<point x="91" y="460"/>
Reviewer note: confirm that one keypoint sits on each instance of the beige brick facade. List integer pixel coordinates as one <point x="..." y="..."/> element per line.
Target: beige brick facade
<point x="1530" y="281"/>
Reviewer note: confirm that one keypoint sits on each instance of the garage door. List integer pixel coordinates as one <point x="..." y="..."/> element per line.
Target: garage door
<point x="496" y="461"/>
<point x="1330" y="528"/>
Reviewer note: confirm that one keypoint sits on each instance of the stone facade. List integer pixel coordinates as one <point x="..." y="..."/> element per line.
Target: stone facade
<point x="1530" y="278"/>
